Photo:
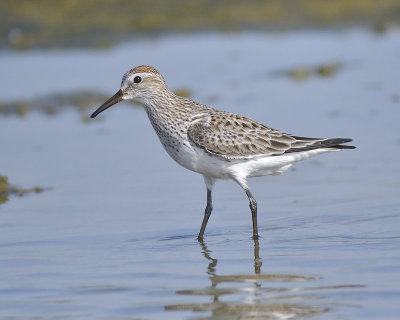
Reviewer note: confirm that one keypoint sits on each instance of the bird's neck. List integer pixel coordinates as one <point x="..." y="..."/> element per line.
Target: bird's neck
<point x="159" y="101"/>
<point x="167" y="104"/>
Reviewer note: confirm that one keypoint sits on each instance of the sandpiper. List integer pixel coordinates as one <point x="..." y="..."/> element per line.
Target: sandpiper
<point x="214" y="143"/>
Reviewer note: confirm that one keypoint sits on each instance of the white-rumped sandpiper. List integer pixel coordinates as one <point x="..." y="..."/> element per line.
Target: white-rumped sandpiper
<point x="216" y="144"/>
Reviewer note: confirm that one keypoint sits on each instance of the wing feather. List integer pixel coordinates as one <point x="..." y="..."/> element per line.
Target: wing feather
<point x="234" y="136"/>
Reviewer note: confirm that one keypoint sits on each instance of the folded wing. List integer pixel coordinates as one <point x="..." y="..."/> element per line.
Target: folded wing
<point x="234" y="136"/>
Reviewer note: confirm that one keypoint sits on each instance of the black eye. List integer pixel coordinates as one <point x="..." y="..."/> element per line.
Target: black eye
<point x="137" y="79"/>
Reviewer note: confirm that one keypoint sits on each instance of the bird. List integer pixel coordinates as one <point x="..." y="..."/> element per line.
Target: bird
<point x="217" y="144"/>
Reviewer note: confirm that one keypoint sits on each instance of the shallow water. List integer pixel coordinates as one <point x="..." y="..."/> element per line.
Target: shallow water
<point x="115" y="235"/>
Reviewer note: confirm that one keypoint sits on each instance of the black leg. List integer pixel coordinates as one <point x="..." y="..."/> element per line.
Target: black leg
<point x="253" y="208"/>
<point x="207" y="214"/>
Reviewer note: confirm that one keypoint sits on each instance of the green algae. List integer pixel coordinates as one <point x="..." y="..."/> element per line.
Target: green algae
<point x="184" y="92"/>
<point x="52" y="104"/>
<point x="28" y="24"/>
<point x="7" y="190"/>
<point x="302" y="73"/>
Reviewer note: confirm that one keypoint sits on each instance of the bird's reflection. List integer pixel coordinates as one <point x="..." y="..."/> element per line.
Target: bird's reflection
<point x="254" y="299"/>
<point x="206" y="253"/>
<point x="257" y="260"/>
<point x="213" y="262"/>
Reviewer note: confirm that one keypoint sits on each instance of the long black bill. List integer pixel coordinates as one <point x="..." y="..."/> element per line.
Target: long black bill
<point x="110" y="102"/>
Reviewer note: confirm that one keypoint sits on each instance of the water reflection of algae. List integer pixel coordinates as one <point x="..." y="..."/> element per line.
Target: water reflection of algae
<point x="262" y="299"/>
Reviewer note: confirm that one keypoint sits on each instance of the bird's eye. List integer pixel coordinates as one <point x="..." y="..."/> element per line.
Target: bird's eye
<point x="137" y="79"/>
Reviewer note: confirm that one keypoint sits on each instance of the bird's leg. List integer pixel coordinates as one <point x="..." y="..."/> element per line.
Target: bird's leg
<point x="207" y="212"/>
<point x="253" y="208"/>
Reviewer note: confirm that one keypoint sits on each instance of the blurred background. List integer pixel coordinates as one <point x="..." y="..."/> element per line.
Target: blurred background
<point x="101" y="24"/>
<point x="96" y="221"/>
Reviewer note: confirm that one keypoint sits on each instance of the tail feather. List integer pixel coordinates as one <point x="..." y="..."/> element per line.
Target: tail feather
<point x="316" y="143"/>
<point x="335" y="143"/>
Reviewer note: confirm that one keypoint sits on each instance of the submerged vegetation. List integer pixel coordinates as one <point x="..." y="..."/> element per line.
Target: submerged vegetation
<point x="7" y="189"/>
<point x="302" y="73"/>
<point x="53" y="104"/>
<point x="63" y="23"/>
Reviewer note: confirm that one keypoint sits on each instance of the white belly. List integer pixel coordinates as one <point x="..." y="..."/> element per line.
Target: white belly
<point x="221" y="168"/>
<point x="196" y="159"/>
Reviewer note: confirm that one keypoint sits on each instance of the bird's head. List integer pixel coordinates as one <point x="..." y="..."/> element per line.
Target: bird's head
<point x="142" y="83"/>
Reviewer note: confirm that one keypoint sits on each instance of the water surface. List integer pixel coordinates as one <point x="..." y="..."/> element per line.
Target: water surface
<point x="115" y="235"/>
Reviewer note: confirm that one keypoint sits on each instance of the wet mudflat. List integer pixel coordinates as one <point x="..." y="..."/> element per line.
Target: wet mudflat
<point x="113" y="233"/>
